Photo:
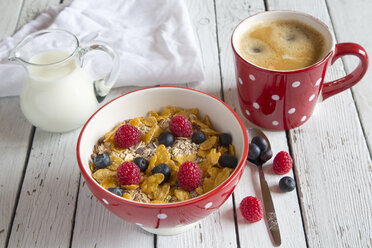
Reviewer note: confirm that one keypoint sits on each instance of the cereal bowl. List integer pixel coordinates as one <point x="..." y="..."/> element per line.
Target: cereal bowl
<point x="170" y="218"/>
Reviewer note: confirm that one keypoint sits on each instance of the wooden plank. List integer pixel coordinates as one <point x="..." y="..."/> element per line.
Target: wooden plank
<point x="33" y="221"/>
<point x="15" y="134"/>
<point x="33" y="9"/>
<point x="47" y="201"/>
<point x="9" y="13"/>
<point x="95" y="226"/>
<point x="207" y="232"/>
<point x="332" y="162"/>
<point x="229" y="14"/>
<point x="352" y="28"/>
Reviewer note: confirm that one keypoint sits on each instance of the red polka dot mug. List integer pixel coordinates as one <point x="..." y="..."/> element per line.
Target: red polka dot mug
<point x="285" y="99"/>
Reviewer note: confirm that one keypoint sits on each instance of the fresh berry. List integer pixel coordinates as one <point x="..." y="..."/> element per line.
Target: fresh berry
<point x="282" y="163"/>
<point x="189" y="176"/>
<point x="251" y="209"/>
<point x="266" y="155"/>
<point x="127" y="136"/>
<point x="163" y="169"/>
<point x="180" y="126"/>
<point x="198" y="137"/>
<point x="117" y="191"/>
<point x="254" y="152"/>
<point x="101" y="161"/>
<point x="128" y="173"/>
<point x="166" y="138"/>
<point x="261" y="142"/>
<point x="225" y="139"/>
<point x="141" y="163"/>
<point x="228" y="160"/>
<point x="287" y="184"/>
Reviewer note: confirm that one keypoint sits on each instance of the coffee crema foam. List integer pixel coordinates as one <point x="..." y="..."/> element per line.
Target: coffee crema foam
<point x="282" y="45"/>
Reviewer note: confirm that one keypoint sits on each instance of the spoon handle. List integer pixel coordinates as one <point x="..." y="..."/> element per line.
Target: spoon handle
<point x="269" y="209"/>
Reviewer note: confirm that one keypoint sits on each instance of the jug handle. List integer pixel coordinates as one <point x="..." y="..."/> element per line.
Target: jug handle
<point x="103" y="85"/>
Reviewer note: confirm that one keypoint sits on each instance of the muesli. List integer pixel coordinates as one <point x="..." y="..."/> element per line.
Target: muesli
<point x="163" y="157"/>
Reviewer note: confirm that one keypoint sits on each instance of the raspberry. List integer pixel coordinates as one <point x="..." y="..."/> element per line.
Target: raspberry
<point x="189" y="176"/>
<point x="127" y="136"/>
<point x="128" y="173"/>
<point x="180" y="126"/>
<point x="251" y="209"/>
<point x="282" y="163"/>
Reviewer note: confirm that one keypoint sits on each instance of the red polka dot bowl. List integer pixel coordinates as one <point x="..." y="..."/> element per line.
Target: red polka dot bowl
<point x="172" y="218"/>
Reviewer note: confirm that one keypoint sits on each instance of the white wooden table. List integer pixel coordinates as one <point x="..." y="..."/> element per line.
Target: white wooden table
<point x="44" y="202"/>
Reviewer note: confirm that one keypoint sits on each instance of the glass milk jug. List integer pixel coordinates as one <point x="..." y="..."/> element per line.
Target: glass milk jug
<point x="58" y="94"/>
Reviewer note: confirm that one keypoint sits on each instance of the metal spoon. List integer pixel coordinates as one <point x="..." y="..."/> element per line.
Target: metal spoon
<point x="266" y="195"/>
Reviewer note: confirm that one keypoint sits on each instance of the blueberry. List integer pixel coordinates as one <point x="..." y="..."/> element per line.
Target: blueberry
<point x="254" y="152"/>
<point x="163" y="169"/>
<point x="166" y="138"/>
<point x="261" y="142"/>
<point x="141" y="163"/>
<point x="228" y="160"/>
<point x="266" y="155"/>
<point x="225" y="139"/>
<point x="101" y="161"/>
<point x="117" y="191"/>
<point x="287" y="184"/>
<point x="198" y="137"/>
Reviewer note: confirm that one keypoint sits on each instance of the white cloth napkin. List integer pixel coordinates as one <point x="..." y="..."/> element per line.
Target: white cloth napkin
<point x="154" y="39"/>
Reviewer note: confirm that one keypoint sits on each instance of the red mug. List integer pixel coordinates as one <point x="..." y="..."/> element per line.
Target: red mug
<point x="281" y="100"/>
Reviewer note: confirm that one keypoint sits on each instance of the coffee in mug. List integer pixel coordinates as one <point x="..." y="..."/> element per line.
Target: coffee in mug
<point x="281" y="59"/>
<point x="284" y="44"/>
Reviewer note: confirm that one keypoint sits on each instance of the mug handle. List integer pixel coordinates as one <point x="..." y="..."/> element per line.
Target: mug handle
<point x="341" y="84"/>
<point x="103" y="85"/>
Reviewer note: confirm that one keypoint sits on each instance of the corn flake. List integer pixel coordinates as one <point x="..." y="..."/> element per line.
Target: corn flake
<point x="150" y="121"/>
<point x="161" y="192"/>
<point x="115" y="162"/>
<point x="162" y="155"/>
<point x="231" y="150"/>
<point x="135" y="122"/>
<point x="110" y="182"/>
<point x="151" y="164"/>
<point x="153" y="133"/>
<point x="182" y="159"/>
<point x="132" y="186"/>
<point x="127" y="196"/>
<point x="222" y="176"/>
<point x="101" y="174"/>
<point x="182" y="195"/>
<point x="207" y="121"/>
<point x="209" y="143"/>
<point x="150" y="184"/>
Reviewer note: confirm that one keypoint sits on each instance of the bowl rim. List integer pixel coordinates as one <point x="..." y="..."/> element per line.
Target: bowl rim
<point x="226" y="183"/>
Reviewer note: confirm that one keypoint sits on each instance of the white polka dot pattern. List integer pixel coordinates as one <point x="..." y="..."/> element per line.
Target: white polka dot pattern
<point x="251" y="77"/>
<point x="208" y="205"/>
<point x="275" y="97"/>
<point x="303" y="118"/>
<point x="162" y="216"/>
<point x="296" y="84"/>
<point x="311" y="97"/>
<point x="275" y="123"/>
<point x="291" y="111"/>
<point x="256" y="105"/>
<point x="318" y="82"/>
<point x="105" y="201"/>
<point x="240" y="81"/>
<point x="247" y="112"/>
